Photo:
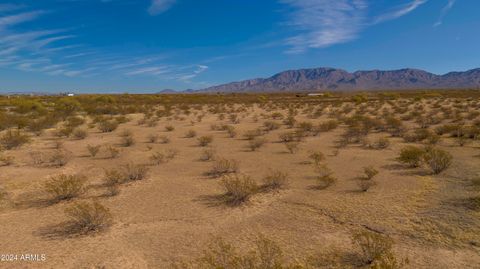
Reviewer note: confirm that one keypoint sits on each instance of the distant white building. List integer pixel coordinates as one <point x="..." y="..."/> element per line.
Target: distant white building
<point x="70" y="94"/>
<point x="315" y="94"/>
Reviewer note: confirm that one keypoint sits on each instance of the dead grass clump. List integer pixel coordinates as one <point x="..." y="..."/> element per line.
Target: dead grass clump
<point x="365" y="185"/>
<point x="205" y="140"/>
<point x="134" y="172"/>
<point x="380" y="143"/>
<point x="327" y="126"/>
<point x="256" y="143"/>
<point x="85" y="217"/>
<point x="287" y="137"/>
<point x="127" y="141"/>
<point x="271" y="125"/>
<point x="238" y="188"/>
<point x="113" y="177"/>
<point x="208" y="155"/>
<point x="93" y="150"/>
<point x="230" y="131"/>
<point x="58" y="158"/>
<point x="158" y="158"/>
<point x="65" y="187"/>
<point x="275" y="180"/>
<point x="250" y="135"/>
<point x="438" y="160"/>
<point x="169" y="128"/>
<point x="223" y="166"/>
<point x="411" y="155"/>
<point x="375" y="250"/>
<point x="13" y="139"/>
<point x="164" y="139"/>
<point x="152" y="138"/>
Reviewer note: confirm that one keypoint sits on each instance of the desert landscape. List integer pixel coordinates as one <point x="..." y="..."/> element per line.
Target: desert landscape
<point x="336" y="180"/>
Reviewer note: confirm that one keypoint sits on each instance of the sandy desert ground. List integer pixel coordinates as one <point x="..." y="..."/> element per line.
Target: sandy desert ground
<point x="178" y="209"/>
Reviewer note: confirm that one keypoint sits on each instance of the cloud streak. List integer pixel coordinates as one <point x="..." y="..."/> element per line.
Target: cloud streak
<point x="444" y="12"/>
<point x="323" y="23"/>
<point x="160" y="6"/>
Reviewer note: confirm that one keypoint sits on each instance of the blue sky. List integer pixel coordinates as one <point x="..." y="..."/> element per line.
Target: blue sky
<point x="150" y="45"/>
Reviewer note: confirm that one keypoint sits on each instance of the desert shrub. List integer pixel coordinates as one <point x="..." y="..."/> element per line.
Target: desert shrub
<point x="64" y="131"/>
<point x="58" y="158"/>
<point x="256" y="143"/>
<point x="271" y="125"/>
<point x="163" y="157"/>
<point x="375" y="250"/>
<point x="65" y="187"/>
<point x="58" y="144"/>
<point x="220" y="254"/>
<point x="207" y="155"/>
<point x="238" y="188"/>
<point x="223" y="166"/>
<point x="85" y="217"/>
<point x="79" y="133"/>
<point x="290" y="121"/>
<point x="287" y="137"/>
<point x="107" y="126"/>
<point x="292" y="147"/>
<point x="152" y="138"/>
<point x="317" y="157"/>
<point x="370" y="172"/>
<point x="169" y="128"/>
<point x="93" y="150"/>
<point x="365" y="185"/>
<point x="251" y="134"/>
<point x="327" y="126"/>
<point x="275" y="180"/>
<point x="305" y="126"/>
<point x="438" y="160"/>
<point x="205" y="140"/>
<point x="112" y="152"/>
<point x="164" y="139"/>
<point x="113" y="177"/>
<point x="230" y="131"/>
<point x="411" y="155"/>
<point x="134" y="172"/>
<point x="13" y="139"/>
<point x="190" y="134"/>
<point x="380" y="143"/>
<point x="325" y="177"/>
<point x="127" y="141"/>
<point x="6" y="160"/>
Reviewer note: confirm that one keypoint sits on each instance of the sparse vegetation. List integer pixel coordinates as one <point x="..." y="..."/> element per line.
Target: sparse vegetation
<point x="88" y="217"/>
<point x="238" y="188"/>
<point x="65" y="187"/>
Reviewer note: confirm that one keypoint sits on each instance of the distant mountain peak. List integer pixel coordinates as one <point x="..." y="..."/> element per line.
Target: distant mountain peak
<point x="333" y="79"/>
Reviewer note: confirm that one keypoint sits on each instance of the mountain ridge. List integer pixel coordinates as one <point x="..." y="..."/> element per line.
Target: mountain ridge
<point x="334" y="79"/>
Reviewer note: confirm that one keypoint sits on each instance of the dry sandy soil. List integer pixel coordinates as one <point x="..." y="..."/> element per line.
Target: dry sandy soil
<point x="172" y="215"/>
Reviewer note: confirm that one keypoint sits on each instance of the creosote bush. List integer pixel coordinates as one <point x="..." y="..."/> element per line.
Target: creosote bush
<point x="223" y="166"/>
<point x="93" y="150"/>
<point x="79" y="133"/>
<point x="438" y="160"/>
<point x="238" y="188"/>
<point x="411" y="155"/>
<point x="13" y="139"/>
<point x="205" y="140"/>
<point x="325" y="177"/>
<point x="256" y="143"/>
<point x="88" y="217"/>
<point x="65" y="187"/>
<point x="134" y="172"/>
<point x="375" y="250"/>
<point x="275" y="180"/>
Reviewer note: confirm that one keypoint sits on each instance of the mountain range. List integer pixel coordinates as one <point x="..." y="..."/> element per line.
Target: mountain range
<point x="331" y="79"/>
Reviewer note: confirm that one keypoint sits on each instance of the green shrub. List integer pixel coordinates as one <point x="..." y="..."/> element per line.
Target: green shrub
<point x="411" y="155"/>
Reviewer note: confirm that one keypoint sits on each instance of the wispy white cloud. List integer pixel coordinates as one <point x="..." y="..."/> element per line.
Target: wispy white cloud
<point x="7" y="21"/>
<point x="399" y="11"/>
<point x="323" y="23"/>
<point x="160" y="6"/>
<point x="444" y="12"/>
